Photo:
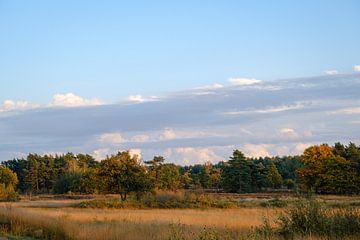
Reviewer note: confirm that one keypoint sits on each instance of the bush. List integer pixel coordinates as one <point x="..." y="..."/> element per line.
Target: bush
<point x="8" y="193"/>
<point x="276" y="202"/>
<point x="163" y="199"/>
<point x="289" y="183"/>
<point x="309" y="218"/>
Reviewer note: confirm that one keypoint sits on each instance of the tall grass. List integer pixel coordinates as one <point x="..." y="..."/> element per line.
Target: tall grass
<point x="55" y="220"/>
<point x="309" y="218"/>
<point x="162" y="224"/>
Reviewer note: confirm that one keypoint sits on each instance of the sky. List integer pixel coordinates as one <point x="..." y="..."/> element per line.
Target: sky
<point x="190" y="80"/>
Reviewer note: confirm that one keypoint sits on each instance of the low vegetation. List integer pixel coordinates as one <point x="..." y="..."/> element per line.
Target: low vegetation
<point x="310" y="218"/>
<point x="302" y="219"/>
<point x="162" y="224"/>
<point x="183" y="200"/>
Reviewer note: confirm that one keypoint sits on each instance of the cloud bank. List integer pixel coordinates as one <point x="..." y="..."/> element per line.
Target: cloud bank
<point x="203" y="124"/>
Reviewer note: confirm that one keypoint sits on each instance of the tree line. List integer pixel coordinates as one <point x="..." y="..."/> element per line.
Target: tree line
<point x="321" y="168"/>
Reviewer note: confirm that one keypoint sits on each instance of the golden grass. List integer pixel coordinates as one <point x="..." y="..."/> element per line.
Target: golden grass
<point x="226" y="218"/>
<point x="132" y="224"/>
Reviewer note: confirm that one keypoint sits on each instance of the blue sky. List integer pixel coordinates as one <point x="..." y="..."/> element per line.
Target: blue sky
<point x="114" y="49"/>
<point x="176" y="78"/>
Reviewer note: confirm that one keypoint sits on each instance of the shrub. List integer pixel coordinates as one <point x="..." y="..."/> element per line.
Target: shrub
<point x="163" y="199"/>
<point x="276" y="202"/>
<point x="8" y="193"/>
<point x="309" y="218"/>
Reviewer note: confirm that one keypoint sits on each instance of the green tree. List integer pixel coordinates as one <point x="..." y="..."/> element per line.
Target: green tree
<point x="352" y="153"/>
<point x="337" y="177"/>
<point x="8" y="182"/>
<point x="326" y="171"/>
<point x="90" y="182"/>
<point x="8" y="177"/>
<point x="186" y="179"/>
<point x="123" y="174"/>
<point x="236" y="176"/>
<point x="33" y="176"/>
<point x="70" y="182"/>
<point x="18" y="166"/>
<point x="154" y="167"/>
<point x="85" y="161"/>
<point x="274" y="178"/>
<point x="169" y="177"/>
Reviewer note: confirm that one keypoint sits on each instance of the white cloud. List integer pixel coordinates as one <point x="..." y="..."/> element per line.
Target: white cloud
<point x="211" y="87"/>
<point x="270" y="109"/>
<point x="331" y="72"/>
<point x="290" y="133"/>
<point x="287" y="130"/>
<point x="256" y="150"/>
<point x="357" y="68"/>
<point x="168" y="134"/>
<point x="350" y="110"/>
<point x="189" y="155"/>
<point x="140" y="138"/>
<point x="282" y="108"/>
<point x="300" y="147"/>
<point x="72" y="100"/>
<point x="101" y="153"/>
<point x="136" y="99"/>
<point x="140" y="99"/>
<point x="10" y="105"/>
<point x="59" y="100"/>
<point x="282" y="151"/>
<point x="111" y="138"/>
<point x="135" y="152"/>
<point x="243" y="81"/>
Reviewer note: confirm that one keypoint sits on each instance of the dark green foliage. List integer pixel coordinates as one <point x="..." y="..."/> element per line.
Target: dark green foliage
<point x="165" y="176"/>
<point x="40" y="174"/>
<point x="289" y="183"/>
<point x="321" y="169"/>
<point x="19" y="167"/>
<point x="90" y="181"/>
<point x="238" y="174"/>
<point x="273" y="176"/>
<point x="70" y="182"/>
<point x="169" y="177"/>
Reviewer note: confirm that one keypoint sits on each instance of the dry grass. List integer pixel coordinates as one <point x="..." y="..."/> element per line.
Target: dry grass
<point x="56" y="219"/>
<point x="132" y="224"/>
<point x="227" y="218"/>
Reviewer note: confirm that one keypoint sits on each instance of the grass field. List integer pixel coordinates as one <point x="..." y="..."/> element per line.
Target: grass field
<point x="57" y="219"/>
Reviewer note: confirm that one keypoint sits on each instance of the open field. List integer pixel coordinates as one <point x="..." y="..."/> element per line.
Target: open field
<point x="58" y="219"/>
<point x="132" y="223"/>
